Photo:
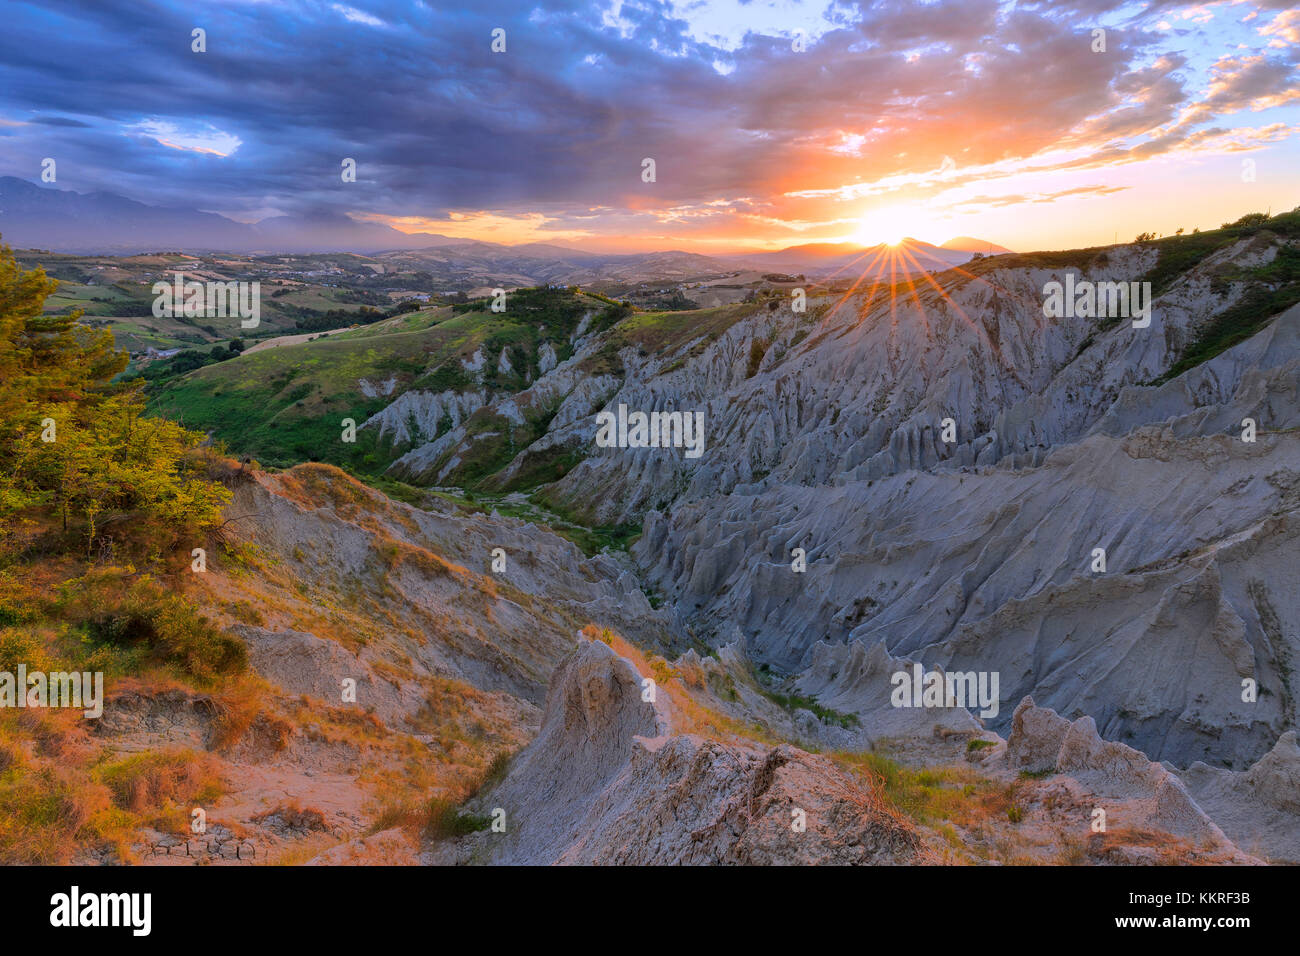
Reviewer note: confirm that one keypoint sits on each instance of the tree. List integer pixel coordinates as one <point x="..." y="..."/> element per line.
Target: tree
<point x="1250" y="220"/>
<point x="75" y="446"/>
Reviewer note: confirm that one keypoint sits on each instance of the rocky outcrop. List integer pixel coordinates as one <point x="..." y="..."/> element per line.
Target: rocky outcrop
<point x="1037" y="734"/>
<point x="609" y="781"/>
<point x="1259" y="808"/>
<point x="547" y="360"/>
<point x="851" y="679"/>
<point x="474" y="365"/>
<point x="425" y="412"/>
<point x="372" y="389"/>
<point x="1134" y="792"/>
<point x="1258" y="379"/>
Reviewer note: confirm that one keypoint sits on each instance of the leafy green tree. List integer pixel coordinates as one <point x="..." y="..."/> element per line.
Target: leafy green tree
<point x="75" y="446"/>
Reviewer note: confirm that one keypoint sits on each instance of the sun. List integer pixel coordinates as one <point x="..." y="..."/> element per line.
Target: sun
<point x="889" y="224"/>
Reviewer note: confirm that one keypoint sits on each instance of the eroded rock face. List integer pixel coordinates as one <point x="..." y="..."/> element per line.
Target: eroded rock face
<point x="863" y="391"/>
<point x="503" y="633"/>
<point x="992" y="571"/>
<point x="426" y="411"/>
<point x="1258" y="379"/>
<point x="1275" y="779"/>
<point x="608" y="781"/>
<point x="824" y="433"/>
<point x="1258" y="807"/>
<point x="975" y="554"/>
<point x="302" y="663"/>
<point x="1036" y="737"/>
<point x="969" y="555"/>
<point x="1134" y="791"/>
<point x="710" y="803"/>
<point x="851" y="679"/>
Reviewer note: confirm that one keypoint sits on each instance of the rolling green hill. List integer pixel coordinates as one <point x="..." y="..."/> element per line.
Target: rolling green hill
<point x="286" y="405"/>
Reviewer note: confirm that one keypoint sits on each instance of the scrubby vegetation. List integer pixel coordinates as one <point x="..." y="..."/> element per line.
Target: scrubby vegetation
<point x="792" y="701"/>
<point x="1180" y="253"/>
<point x="1272" y="288"/>
<point x="99" y="509"/>
<point x="935" y="795"/>
<point x="826" y="715"/>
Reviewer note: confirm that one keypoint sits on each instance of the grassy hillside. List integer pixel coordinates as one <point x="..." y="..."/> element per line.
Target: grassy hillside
<point x="286" y="405"/>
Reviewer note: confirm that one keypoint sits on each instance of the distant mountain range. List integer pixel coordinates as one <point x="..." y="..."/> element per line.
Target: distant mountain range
<point x="851" y="260"/>
<point x="40" y="217"/>
<point x="971" y="244"/>
<point x="536" y="263"/>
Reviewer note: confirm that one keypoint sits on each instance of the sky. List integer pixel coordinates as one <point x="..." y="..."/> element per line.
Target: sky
<point x="770" y="123"/>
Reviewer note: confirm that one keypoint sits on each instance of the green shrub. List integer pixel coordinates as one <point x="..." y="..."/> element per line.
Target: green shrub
<point x="444" y="820"/>
<point x="146" y="617"/>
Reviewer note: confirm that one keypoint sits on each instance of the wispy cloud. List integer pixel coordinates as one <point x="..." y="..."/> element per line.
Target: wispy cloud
<point x="353" y="15"/>
<point x="207" y="139"/>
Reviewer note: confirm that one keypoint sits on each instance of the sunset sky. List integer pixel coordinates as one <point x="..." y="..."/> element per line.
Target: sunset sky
<point x="961" y="117"/>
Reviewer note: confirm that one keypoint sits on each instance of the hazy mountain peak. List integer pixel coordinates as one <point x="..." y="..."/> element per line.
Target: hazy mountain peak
<point x="971" y="244"/>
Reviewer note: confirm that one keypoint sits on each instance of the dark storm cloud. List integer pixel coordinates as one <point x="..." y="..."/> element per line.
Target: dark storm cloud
<point x="564" y="118"/>
<point x="58" y="121"/>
